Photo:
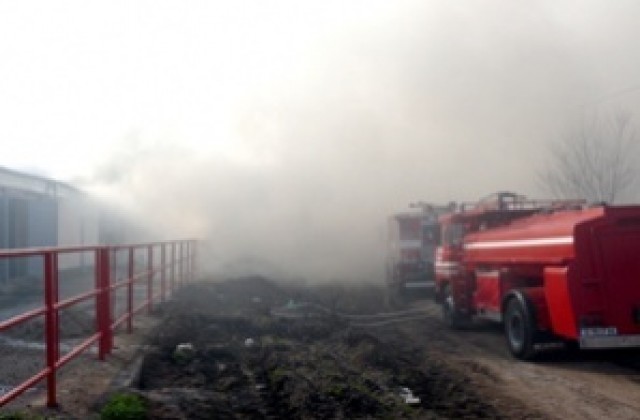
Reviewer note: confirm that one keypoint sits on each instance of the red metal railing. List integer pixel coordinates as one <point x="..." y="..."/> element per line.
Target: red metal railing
<point x="175" y="267"/>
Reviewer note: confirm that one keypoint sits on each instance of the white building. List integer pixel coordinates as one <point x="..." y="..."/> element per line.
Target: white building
<point x="40" y="212"/>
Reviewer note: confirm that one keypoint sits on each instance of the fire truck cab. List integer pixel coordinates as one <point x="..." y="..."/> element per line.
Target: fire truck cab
<point x="412" y="242"/>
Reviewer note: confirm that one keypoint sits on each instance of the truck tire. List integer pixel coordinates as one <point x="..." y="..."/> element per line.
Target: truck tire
<point x="519" y="329"/>
<point x="452" y="318"/>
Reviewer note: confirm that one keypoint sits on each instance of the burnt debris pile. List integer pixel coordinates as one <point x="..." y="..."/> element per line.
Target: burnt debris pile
<point x="222" y="353"/>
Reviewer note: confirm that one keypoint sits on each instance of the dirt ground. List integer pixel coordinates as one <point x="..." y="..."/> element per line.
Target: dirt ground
<point x="252" y="348"/>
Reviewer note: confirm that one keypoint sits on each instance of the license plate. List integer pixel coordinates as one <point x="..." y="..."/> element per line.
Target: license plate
<point x="598" y="332"/>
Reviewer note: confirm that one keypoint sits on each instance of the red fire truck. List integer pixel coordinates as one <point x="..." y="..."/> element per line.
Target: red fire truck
<point x="413" y="238"/>
<point x="549" y="271"/>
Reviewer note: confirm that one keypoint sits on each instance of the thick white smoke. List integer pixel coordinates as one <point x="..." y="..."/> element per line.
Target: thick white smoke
<point x="316" y="122"/>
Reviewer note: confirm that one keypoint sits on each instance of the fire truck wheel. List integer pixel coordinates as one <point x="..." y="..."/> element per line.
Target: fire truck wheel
<point x="519" y="328"/>
<point x="451" y="316"/>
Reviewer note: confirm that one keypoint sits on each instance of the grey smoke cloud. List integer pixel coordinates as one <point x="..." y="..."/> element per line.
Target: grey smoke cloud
<point x="437" y="101"/>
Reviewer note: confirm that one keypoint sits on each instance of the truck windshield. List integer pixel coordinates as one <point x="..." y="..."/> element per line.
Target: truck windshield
<point x="409" y="229"/>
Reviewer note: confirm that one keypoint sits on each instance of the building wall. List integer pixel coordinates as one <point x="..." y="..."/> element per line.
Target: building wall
<point x="37" y="212"/>
<point x="40" y="229"/>
<point x="77" y="225"/>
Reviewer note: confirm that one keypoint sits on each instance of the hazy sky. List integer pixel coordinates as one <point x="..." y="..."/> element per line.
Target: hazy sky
<point x="314" y="118"/>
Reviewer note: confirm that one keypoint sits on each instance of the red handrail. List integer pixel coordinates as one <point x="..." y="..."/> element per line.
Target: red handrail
<point x="106" y="321"/>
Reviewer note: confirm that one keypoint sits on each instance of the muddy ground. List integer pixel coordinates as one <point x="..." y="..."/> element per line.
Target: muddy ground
<point x="254" y="348"/>
<point x="262" y="350"/>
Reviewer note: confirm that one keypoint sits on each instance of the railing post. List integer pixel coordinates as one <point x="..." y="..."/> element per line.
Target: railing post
<point x="56" y="297"/>
<point x="103" y="313"/>
<point x="149" y="279"/>
<point x="98" y="289"/>
<point x="51" y="324"/>
<point x="163" y="272"/>
<point x="130" y="291"/>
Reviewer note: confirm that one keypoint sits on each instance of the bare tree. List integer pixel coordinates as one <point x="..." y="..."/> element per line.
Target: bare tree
<point x="596" y="162"/>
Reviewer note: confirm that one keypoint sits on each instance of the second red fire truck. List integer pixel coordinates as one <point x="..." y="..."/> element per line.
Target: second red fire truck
<point x="412" y="240"/>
